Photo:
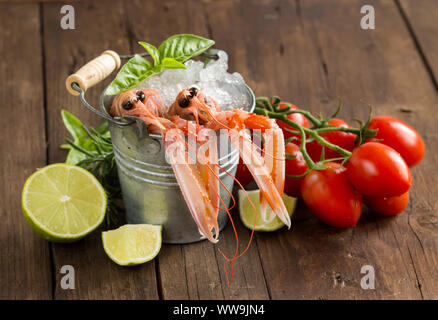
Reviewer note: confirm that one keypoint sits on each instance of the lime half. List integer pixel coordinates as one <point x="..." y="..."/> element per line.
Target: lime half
<point x="63" y="203"/>
<point x="132" y="244"/>
<point x="247" y="214"/>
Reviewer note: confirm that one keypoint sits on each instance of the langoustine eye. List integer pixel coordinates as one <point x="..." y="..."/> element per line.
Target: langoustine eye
<point x="193" y="91"/>
<point x="183" y="102"/>
<point x="127" y="105"/>
<point x="141" y="96"/>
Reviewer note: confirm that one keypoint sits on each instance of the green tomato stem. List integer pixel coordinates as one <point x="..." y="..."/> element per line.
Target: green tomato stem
<point x="312" y="133"/>
<point x="316" y="122"/>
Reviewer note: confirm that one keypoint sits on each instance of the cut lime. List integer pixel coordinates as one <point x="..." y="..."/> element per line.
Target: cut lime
<point x="246" y="211"/>
<point x="63" y="203"/>
<point x="132" y="244"/>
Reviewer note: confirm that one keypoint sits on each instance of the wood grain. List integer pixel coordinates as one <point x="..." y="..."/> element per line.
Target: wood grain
<point x="25" y="269"/>
<point x="423" y="220"/>
<point x="98" y="27"/>
<point x="420" y="16"/>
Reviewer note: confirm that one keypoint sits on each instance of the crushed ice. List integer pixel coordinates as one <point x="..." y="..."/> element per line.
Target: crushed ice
<point x="227" y="89"/>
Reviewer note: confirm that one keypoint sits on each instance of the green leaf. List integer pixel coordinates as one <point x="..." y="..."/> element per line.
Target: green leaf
<point x="158" y="69"/>
<point x="182" y="47"/>
<point x="80" y="137"/>
<point x="73" y="125"/>
<point x="136" y="70"/>
<point x="152" y="51"/>
<point x="170" y="63"/>
<point x="75" y="156"/>
<point x="75" y="128"/>
<point x="103" y="130"/>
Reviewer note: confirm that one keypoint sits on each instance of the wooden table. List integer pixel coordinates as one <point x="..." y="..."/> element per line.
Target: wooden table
<point x="309" y="52"/>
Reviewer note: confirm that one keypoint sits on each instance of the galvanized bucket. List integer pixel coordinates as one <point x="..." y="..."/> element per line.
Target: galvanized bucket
<point x="150" y="191"/>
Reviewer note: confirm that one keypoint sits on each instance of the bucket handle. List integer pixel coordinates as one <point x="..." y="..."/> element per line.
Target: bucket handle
<point x="91" y="74"/>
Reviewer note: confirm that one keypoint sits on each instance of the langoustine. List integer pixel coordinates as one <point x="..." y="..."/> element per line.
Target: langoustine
<point x="199" y="182"/>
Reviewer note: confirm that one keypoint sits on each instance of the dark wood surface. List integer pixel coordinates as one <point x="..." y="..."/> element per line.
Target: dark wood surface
<point x="309" y="52"/>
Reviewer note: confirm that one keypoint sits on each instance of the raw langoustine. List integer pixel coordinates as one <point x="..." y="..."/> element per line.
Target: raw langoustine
<point x="199" y="182"/>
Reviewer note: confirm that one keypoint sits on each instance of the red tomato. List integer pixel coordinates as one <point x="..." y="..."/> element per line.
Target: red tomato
<point x="390" y="206"/>
<point x="400" y="136"/>
<point x="344" y="140"/>
<point x="331" y="197"/>
<point x="243" y="175"/>
<point x="378" y="170"/>
<point x="295" y="117"/>
<point x="295" y="167"/>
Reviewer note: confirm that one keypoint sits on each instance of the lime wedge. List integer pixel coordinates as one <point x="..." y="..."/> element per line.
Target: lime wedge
<point x="246" y="211"/>
<point x="132" y="244"/>
<point x="63" y="203"/>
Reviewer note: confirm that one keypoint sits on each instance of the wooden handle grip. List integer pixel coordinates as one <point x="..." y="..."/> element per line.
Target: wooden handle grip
<point x="94" y="71"/>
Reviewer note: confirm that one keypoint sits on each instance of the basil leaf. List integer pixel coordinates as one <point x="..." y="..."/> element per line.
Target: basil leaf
<point x="182" y="47"/>
<point x="152" y="51"/>
<point x="74" y="126"/>
<point x="170" y="63"/>
<point x="136" y="70"/>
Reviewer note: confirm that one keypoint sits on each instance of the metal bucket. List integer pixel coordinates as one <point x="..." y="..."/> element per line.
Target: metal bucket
<point x="150" y="191"/>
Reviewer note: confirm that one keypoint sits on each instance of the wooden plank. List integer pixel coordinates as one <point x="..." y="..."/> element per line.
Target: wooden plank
<point x="99" y="26"/>
<point x="312" y="52"/>
<point x="424" y="223"/>
<point x="195" y="271"/>
<point x="421" y="17"/>
<point x="24" y="256"/>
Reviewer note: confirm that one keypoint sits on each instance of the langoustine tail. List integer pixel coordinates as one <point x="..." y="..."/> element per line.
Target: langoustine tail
<point x="274" y="152"/>
<point x="271" y="186"/>
<point x="198" y="185"/>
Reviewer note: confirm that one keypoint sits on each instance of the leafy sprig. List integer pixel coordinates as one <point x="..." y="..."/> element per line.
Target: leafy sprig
<point x="171" y="54"/>
<point x="92" y="150"/>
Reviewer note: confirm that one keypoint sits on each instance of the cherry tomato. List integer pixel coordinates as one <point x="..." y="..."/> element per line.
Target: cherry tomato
<point x="390" y="206"/>
<point x="296" y="166"/>
<point x="400" y="136"/>
<point x="344" y="140"/>
<point x="243" y="175"/>
<point x="295" y="117"/>
<point x="378" y="170"/>
<point x="331" y="197"/>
